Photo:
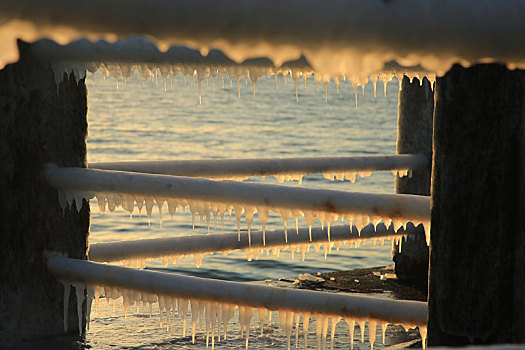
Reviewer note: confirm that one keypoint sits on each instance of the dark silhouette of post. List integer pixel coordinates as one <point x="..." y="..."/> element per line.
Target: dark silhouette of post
<point x="477" y="256"/>
<point x="414" y="135"/>
<point x="39" y="123"/>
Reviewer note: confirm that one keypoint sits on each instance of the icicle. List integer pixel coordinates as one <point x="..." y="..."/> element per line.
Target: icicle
<point x="263" y="212"/>
<point x="372" y="330"/>
<point x="195" y="307"/>
<point x="198" y="259"/>
<point x="423" y="333"/>
<point x="335" y="320"/>
<point x="172" y="206"/>
<point x="336" y="79"/>
<point x="149" y="208"/>
<point x="306" y="322"/>
<point x="79" y="289"/>
<point x="362" y="324"/>
<point x="286" y="214"/>
<point x="182" y="309"/>
<point x="309" y="218"/>
<point x="67" y="292"/>
<point x="248" y="216"/>
<point x="351" y="329"/>
<point x="296" y="214"/>
<point x="238" y="212"/>
<point x="383" y="331"/>
<point x="261" y="314"/>
<point x="325" y="330"/>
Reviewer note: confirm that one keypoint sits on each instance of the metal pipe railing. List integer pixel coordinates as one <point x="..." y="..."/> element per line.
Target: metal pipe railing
<point x="88" y="182"/>
<point x="194" y="288"/>
<point x="201" y="244"/>
<point x="227" y="168"/>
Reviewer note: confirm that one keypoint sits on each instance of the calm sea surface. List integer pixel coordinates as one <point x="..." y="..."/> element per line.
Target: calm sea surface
<point x="136" y="122"/>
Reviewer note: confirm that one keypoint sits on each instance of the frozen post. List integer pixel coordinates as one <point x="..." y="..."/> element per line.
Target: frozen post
<point x="39" y="123"/>
<point x="477" y="258"/>
<point x="414" y="135"/>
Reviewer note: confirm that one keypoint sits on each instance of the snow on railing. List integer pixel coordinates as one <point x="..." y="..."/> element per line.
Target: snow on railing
<point x="208" y="197"/>
<point x="215" y="301"/>
<point x="135" y="253"/>
<point x="333" y="168"/>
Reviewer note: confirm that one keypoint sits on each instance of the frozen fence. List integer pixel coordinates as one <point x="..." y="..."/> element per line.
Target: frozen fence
<point x="196" y="245"/>
<point x="260" y="296"/>
<point x="282" y="168"/>
<point x="207" y="196"/>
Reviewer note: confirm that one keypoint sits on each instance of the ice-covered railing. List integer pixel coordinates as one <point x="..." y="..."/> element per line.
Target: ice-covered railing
<point x="215" y="301"/>
<point x="213" y="198"/>
<point x="124" y="58"/>
<point x="333" y="168"/>
<point x="351" y="38"/>
<point x="135" y="253"/>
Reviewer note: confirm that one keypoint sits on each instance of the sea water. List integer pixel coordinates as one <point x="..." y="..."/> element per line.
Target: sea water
<point x="145" y="121"/>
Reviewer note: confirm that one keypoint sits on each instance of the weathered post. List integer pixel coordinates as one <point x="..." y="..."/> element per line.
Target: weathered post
<point x="39" y="123"/>
<point x="414" y="135"/>
<point x="477" y="257"/>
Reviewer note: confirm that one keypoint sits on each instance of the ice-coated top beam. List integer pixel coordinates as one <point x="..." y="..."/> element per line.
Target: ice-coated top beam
<point x="394" y="206"/>
<point x="225" y="168"/>
<point x="337" y="37"/>
<point x="392" y="311"/>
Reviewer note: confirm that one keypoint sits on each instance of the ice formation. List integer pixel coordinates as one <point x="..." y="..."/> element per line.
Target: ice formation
<point x="171" y="250"/>
<point x="211" y="198"/>
<point x="352" y="38"/>
<point x="209" y="209"/>
<point x="126" y="57"/>
<point x="214" y="303"/>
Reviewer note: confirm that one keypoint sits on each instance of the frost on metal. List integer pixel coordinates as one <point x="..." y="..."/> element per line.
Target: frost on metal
<point x="214" y="302"/>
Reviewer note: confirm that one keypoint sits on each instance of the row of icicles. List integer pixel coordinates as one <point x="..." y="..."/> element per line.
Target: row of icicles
<point x="275" y="250"/>
<point x="235" y="72"/>
<point x="216" y="316"/>
<point x="351" y="176"/>
<point x="207" y="210"/>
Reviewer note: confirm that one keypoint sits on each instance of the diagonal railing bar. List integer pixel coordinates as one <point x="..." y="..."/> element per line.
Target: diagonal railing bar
<point x="200" y="244"/>
<point x="222" y="168"/>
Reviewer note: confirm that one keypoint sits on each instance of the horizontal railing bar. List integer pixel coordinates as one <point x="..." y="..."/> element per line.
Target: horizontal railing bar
<point x="394" y="206"/>
<point x="198" y="244"/>
<point x="439" y="33"/>
<point x="273" y="298"/>
<point x="211" y="168"/>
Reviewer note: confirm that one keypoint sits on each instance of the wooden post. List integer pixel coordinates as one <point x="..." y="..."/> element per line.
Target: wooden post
<point x="414" y="135"/>
<point x="39" y="123"/>
<point x="477" y="258"/>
